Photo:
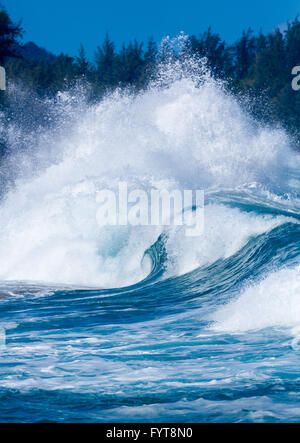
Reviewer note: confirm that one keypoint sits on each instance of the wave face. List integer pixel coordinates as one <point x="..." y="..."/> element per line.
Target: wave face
<point x="141" y="323"/>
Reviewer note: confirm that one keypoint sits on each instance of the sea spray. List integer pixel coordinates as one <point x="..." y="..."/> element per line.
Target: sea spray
<point x="208" y="329"/>
<point x="184" y="132"/>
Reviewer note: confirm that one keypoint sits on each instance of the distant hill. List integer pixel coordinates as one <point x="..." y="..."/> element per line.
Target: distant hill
<point x="30" y="51"/>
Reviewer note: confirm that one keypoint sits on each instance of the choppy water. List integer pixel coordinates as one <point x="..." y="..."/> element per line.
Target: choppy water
<point x="211" y="331"/>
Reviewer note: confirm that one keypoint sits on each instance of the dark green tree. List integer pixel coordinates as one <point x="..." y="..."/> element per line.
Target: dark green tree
<point x="82" y="64"/>
<point x="270" y="69"/>
<point x="244" y="52"/>
<point x="292" y="37"/>
<point x="131" y="64"/>
<point x="211" y="46"/>
<point x="149" y="64"/>
<point x="105" y="58"/>
<point x="10" y="34"/>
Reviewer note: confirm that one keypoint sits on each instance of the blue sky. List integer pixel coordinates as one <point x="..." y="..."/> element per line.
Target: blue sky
<point x="61" y="25"/>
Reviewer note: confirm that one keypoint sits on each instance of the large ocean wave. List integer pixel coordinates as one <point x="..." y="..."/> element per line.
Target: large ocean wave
<point x="142" y="322"/>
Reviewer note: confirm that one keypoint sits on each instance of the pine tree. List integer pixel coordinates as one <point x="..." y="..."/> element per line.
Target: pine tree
<point x="292" y="37"/>
<point x="10" y="33"/>
<point x="270" y="70"/>
<point x="130" y="64"/>
<point x="211" y="46"/>
<point x="82" y="63"/>
<point x="150" y="61"/>
<point x="105" y="58"/>
<point x="244" y="52"/>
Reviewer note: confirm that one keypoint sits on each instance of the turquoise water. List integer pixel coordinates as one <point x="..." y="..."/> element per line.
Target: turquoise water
<point x="149" y="353"/>
<point x="182" y="330"/>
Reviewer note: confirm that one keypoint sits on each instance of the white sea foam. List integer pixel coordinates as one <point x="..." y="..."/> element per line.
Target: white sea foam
<point x="273" y="302"/>
<point x="180" y="136"/>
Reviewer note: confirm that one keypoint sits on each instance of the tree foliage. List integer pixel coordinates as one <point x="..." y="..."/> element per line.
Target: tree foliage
<point x="10" y="33"/>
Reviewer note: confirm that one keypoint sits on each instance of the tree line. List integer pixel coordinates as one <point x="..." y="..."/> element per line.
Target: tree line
<point x="258" y="66"/>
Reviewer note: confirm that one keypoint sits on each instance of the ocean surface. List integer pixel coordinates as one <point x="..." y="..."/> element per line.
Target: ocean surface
<point x="141" y="323"/>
